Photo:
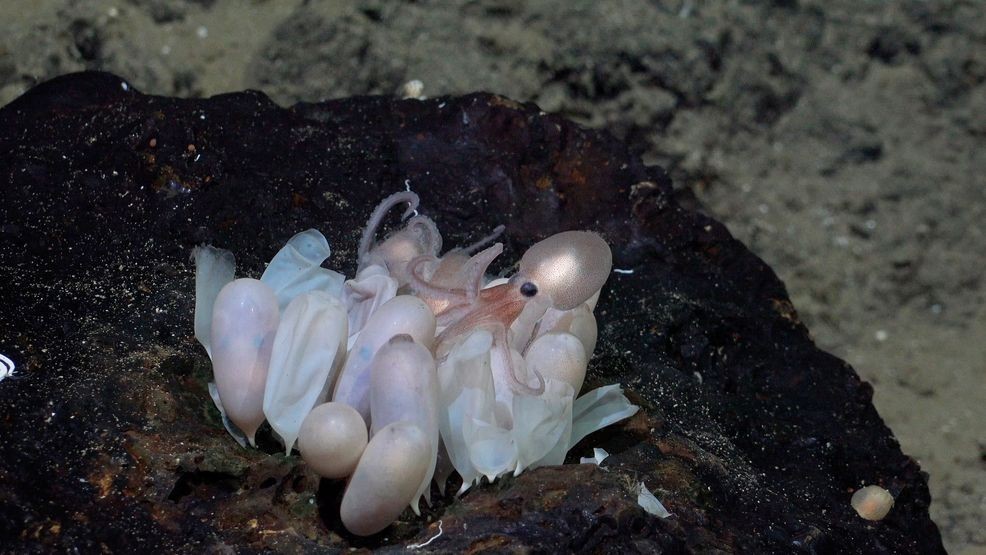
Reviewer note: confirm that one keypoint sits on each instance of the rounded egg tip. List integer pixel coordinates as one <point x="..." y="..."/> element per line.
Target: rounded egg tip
<point x="332" y="438"/>
<point x="386" y="479"/>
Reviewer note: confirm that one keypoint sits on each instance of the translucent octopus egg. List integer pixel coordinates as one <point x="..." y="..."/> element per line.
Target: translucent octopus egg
<point x="332" y="439"/>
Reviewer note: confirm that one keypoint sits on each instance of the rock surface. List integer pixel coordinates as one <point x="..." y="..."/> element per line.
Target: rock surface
<point x="752" y="437"/>
<point x="839" y="142"/>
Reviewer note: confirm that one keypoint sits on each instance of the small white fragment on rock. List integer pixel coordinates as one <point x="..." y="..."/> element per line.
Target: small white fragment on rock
<point x="872" y="502"/>
<point x="650" y="503"/>
<point x="431" y="539"/>
<point x="598" y="456"/>
<point x="413" y="89"/>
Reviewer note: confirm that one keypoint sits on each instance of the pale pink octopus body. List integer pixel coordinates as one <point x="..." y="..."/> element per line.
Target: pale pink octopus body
<point x="561" y="272"/>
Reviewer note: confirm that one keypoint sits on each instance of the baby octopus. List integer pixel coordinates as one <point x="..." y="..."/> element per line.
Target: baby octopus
<point x="561" y="272"/>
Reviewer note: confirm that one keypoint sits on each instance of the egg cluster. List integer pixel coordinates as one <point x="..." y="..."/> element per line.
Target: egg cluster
<point x="416" y="367"/>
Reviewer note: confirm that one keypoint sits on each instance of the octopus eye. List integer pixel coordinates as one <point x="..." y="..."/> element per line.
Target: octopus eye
<point x="528" y="289"/>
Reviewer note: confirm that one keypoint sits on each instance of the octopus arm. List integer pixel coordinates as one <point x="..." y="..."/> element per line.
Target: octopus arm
<point x="466" y="281"/>
<point x="502" y="350"/>
<point x="493" y="236"/>
<point x="475" y="270"/>
<point x="376" y="218"/>
<point x="425" y="287"/>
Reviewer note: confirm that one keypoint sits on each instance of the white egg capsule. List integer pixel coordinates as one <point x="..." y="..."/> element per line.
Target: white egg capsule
<point x="558" y="356"/>
<point x="386" y="478"/>
<point x="404" y="314"/>
<point x="404" y="387"/>
<point x="332" y="439"/>
<point x="365" y="294"/>
<point x="309" y="347"/>
<point x="214" y="268"/>
<point x="585" y="328"/>
<point x="579" y="321"/>
<point x="244" y="322"/>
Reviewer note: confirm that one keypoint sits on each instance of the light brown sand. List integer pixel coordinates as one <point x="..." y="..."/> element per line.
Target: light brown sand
<point x="843" y="142"/>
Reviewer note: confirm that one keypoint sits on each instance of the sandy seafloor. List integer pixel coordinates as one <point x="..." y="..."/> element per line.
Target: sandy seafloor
<point x="843" y="141"/>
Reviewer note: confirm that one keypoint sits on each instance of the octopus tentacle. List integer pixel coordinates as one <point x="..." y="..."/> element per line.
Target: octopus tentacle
<point x="454" y="269"/>
<point x="429" y="231"/>
<point x="453" y="314"/>
<point x="530" y="340"/>
<point x="500" y="346"/>
<point x="419" y="283"/>
<point x="526" y="326"/>
<point x="493" y="236"/>
<point x="378" y="214"/>
<point x="496" y="306"/>
<point x="476" y="269"/>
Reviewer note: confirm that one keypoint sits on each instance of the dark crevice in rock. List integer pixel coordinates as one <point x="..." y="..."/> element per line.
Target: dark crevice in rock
<point x="203" y="484"/>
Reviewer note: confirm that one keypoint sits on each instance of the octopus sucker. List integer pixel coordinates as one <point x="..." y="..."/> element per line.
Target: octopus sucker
<point x="418" y="366"/>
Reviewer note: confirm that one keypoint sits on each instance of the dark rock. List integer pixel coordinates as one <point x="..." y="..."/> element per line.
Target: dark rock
<point x="752" y="437"/>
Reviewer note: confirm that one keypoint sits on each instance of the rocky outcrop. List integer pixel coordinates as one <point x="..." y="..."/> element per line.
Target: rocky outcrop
<point x="752" y="437"/>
